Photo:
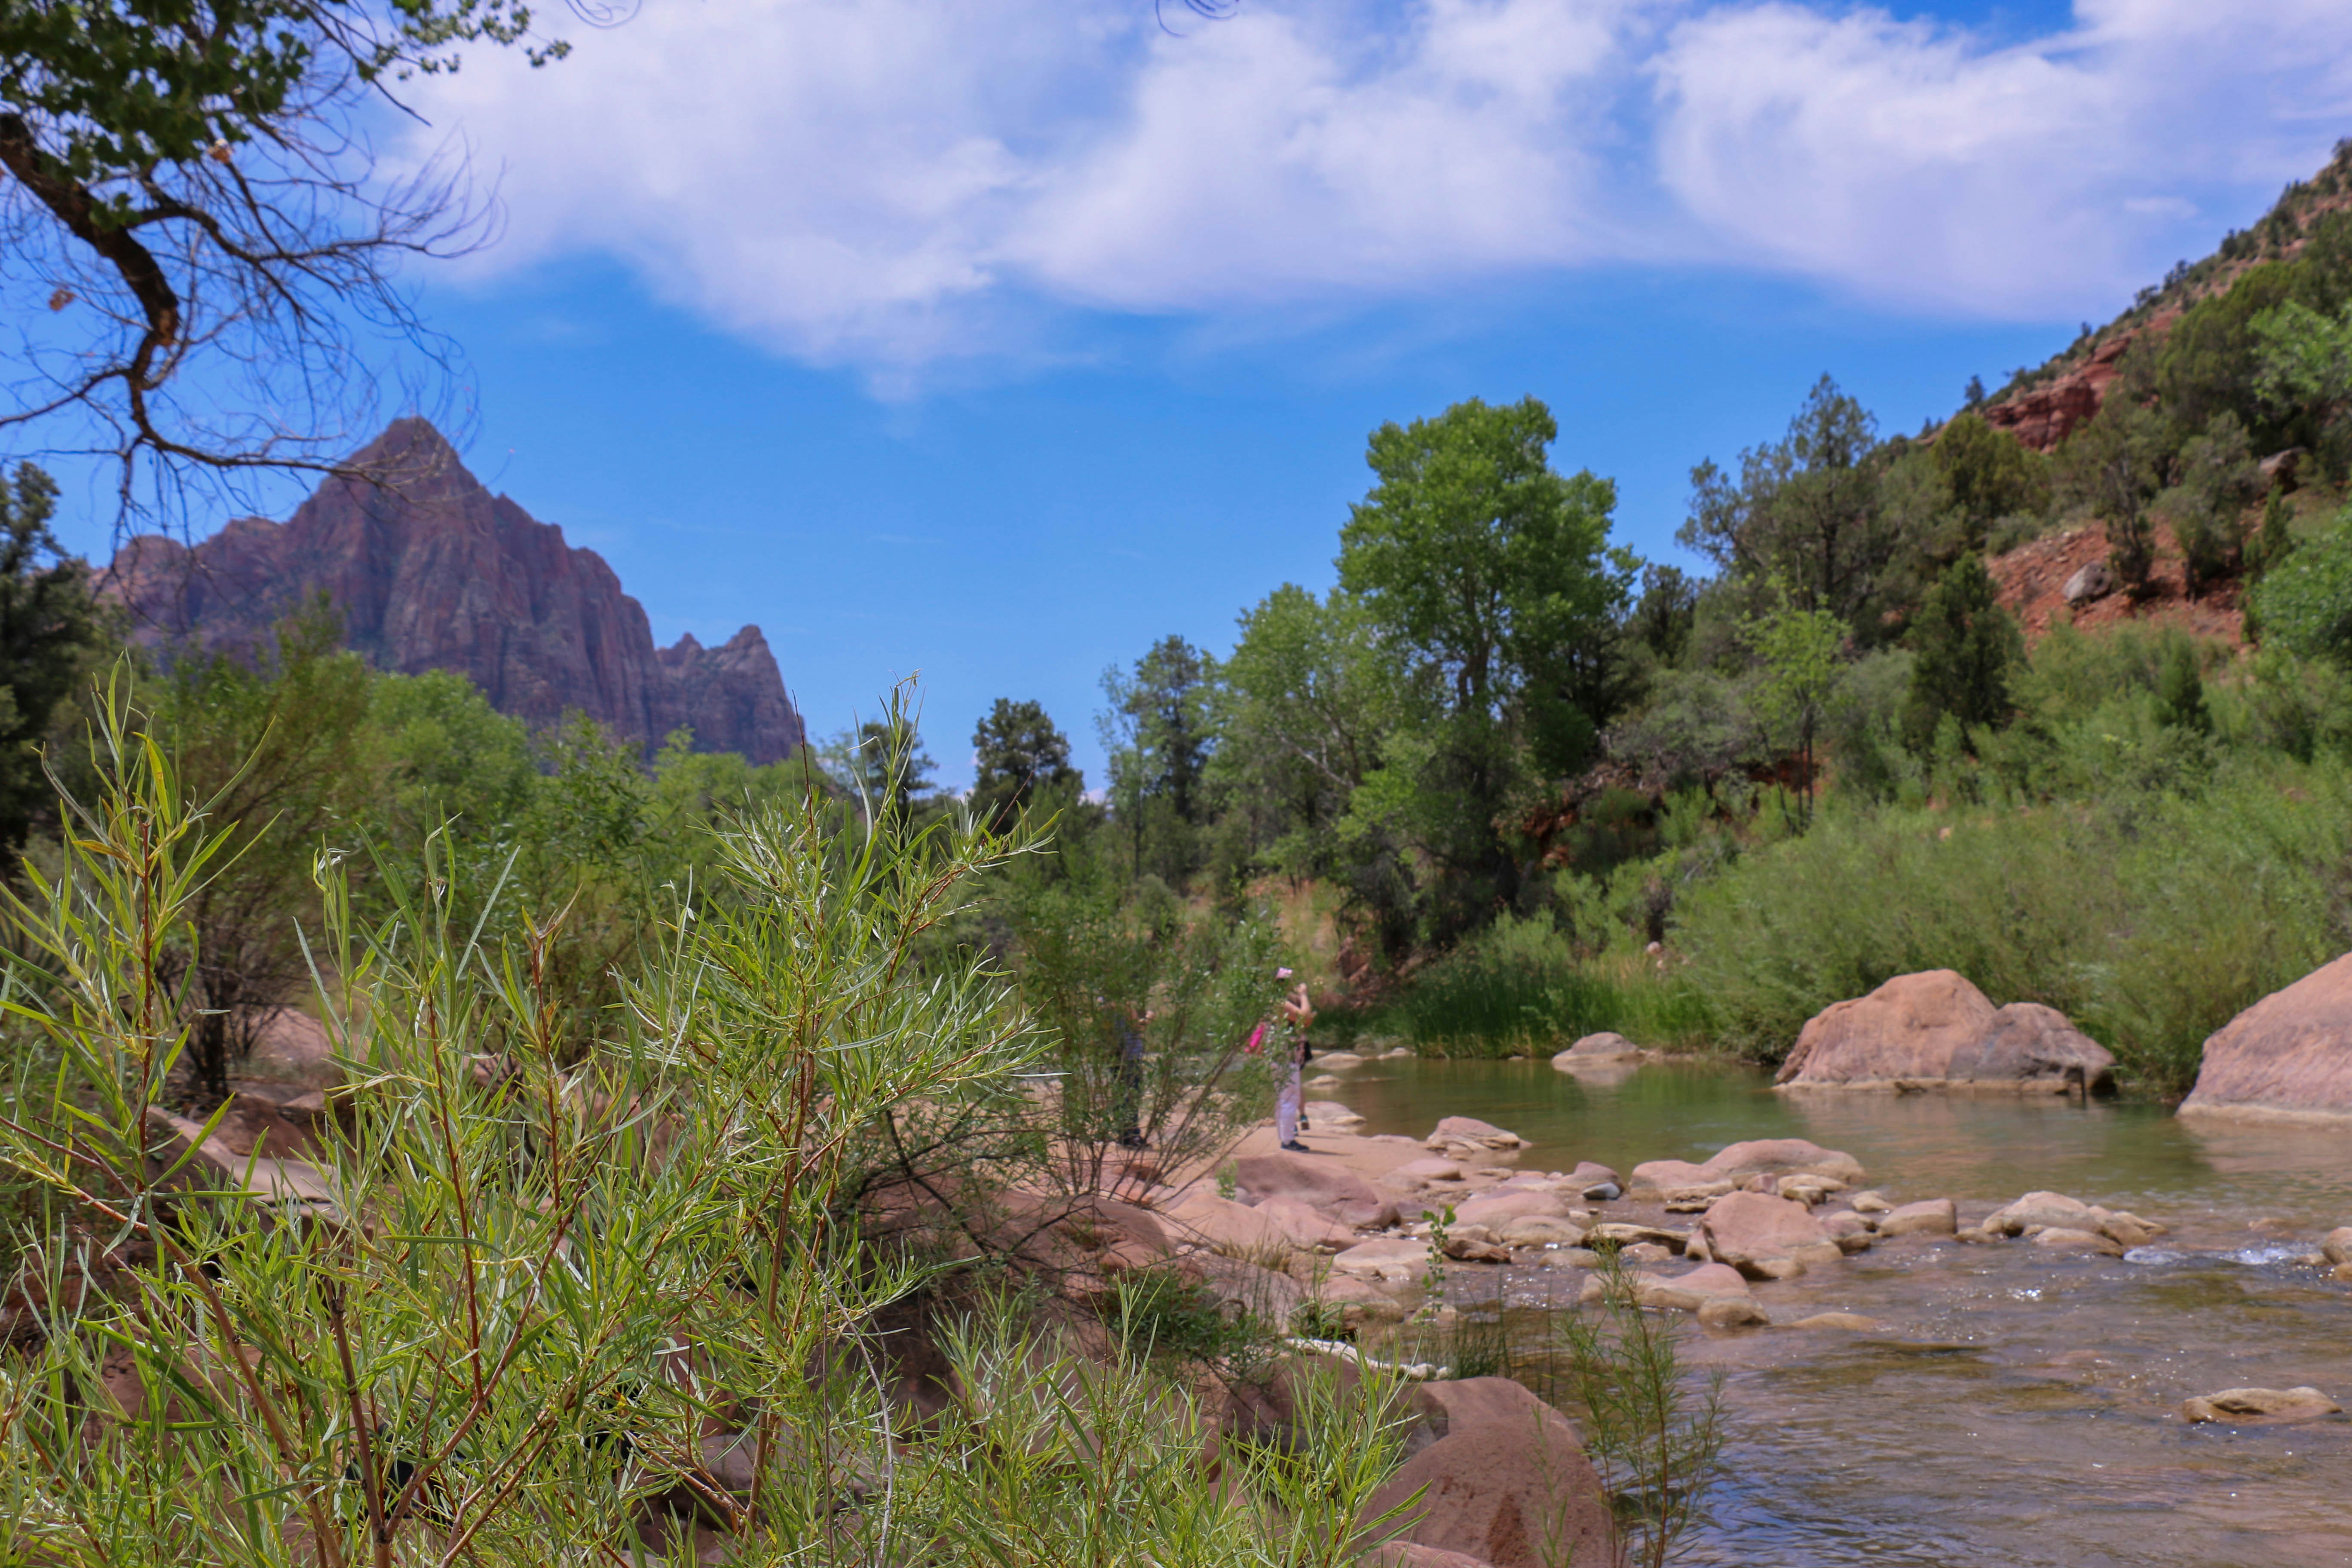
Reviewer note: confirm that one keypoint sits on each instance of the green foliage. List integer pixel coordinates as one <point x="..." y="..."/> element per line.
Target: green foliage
<point x="2106" y="912"/>
<point x="1521" y="988"/>
<point x="1656" y="1440"/>
<point x="1803" y="511"/>
<point x="2302" y="356"/>
<point x="1798" y="649"/>
<point x="274" y="741"/>
<point x="2180" y="692"/>
<point x="51" y="632"/>
<point x="1964" y="646"/>
<point x="2305" y="601"/>
<point x="1016" y="752"/>
<point x="2111" y="467"/>
<point x="2217" y="479"/>
<point x="1991" y="474"/>
<point x="576" y="1271"/>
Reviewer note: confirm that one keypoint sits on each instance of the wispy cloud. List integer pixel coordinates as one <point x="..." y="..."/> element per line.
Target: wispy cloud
<point x="902" y="185"/>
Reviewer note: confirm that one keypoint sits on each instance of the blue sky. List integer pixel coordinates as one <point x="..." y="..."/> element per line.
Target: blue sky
<point x="994" y="339"/>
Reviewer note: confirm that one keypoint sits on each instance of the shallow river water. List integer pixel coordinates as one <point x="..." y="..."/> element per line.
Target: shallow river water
<point x="2019" y="1407"/>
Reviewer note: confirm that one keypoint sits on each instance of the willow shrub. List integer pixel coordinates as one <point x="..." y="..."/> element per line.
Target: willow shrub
<point x="2150" y="916"/>
<point x="550" y="1311"/>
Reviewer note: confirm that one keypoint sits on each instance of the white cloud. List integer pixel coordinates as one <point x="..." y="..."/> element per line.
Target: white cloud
<point x="1907" y="160"/>
<point x="896" y="183"/>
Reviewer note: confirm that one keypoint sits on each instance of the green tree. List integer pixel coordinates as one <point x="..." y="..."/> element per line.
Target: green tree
<point x="2303" y="357"/>
<point x="1966" y="647"/>
<point x="2303" y="603"/>
<point x="1016" y="752"/>
<point x="1488" y="577"/>
<point x="1800" y="649"/>
<point x="1159" y="738"/>
<point x="51" y="628"/>
<point x="271" y="739"/>
<point x="2217" y="479"/>
<point x="1803" y="511"/>
<point x="891" y="780"/>
<point x="2112" y="466"/>
<point x="194" y="194"/>
<point x="1991" y="474"/>
<point x="2181" y="690"/>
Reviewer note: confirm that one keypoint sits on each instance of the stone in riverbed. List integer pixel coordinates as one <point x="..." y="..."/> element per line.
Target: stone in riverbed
<point x="1572" y="1258"/>
<point x="1688" y="1292"/>
<point x="1937" y="1030"/>
<point x="2338" y="1247"/>
<point x="1605" y="1046"/>
<point x="1732" y="1312"/>
<point x="1515" y="1493"/>
<point x="1871" y="1202"/>
<point x="1467" y="1132"/>
<point x="1741" y="1162"/>
<point x="1625" y="1234"/>
<point x="2259" y="1407"/>
<point x="2288" y="1057"/>
<point x="1539" y="1230"/>
<point x="2060" y="1239"/>
<point x="1435" y="1168"/>
<point x="1749" y="1230"/>
<point x="1517" y="1204"/>
<point x="2048" y="1210"/>
<point x="1849" y="1322"/>
<point x="1339" y="1058"/>
<point x="1938" y="1216"/>
<point x="1384" y="1256"/>
<point x="1330" y="1116"/>
<point x="1694" y="1199"/>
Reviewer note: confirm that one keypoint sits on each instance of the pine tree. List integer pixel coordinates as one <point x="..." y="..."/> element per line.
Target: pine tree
<point x="1964" y="648"/>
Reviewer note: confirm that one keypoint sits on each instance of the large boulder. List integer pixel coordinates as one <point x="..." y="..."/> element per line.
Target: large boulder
<point x="2288" y="1057"/>
<point x="1937" y="1030"/>
<point x="1468" y="1135"/>
<point x="1445" y="1405"/>
<point x="1754" y="1231"/>
<point x="1318" y="1182"/>
<point x="1513" y="1492"/>
<point x="1596" y="1049"/>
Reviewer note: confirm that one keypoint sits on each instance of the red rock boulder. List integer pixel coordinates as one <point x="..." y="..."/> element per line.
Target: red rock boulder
<point x="1515" y="1493"/>
<point x="1937" y="1030"/>
<point x="1320" y="1182"/>
<point x="2288" y="1057"/>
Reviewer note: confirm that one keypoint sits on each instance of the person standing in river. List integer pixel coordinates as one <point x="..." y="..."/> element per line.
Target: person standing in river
<point x="1289" y="1104"/>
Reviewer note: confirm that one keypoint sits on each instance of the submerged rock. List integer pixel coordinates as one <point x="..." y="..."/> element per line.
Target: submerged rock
<point x="1938" y="1216"/>
<point x="2286" y="1058"/>
<point x="2060" y="1239"/>
<point x="1937" y="1030"/>
<point x="2338" y="1247"/>
<point x="2259" y="1407"/>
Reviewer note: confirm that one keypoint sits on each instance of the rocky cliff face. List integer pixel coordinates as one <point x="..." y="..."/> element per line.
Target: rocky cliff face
<point x="433" y="572"/>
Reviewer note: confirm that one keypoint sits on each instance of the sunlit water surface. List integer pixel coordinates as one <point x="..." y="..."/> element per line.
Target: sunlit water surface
<point x="2019" y="1407"/>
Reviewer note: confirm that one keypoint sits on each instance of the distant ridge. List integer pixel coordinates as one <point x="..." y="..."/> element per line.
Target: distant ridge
<point x="433" y="572"/>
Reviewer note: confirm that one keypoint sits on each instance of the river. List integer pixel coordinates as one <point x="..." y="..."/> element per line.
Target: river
<point x="2019" y="1407"/>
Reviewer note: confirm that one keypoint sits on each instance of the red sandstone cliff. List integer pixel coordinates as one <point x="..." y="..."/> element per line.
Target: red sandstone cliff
<point x="433" y="572"/>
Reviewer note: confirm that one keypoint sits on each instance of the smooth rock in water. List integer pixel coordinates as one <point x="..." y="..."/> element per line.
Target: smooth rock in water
<point x="1625" y="1234"/>
<point x="1517" y="1205"/>
<point x="1432" y="1169"/>
<point x="1664" y="1175"/>
<point x="2287" y="1058"/>
<point x="1851" y="1323"/>
<point x="1603" y="1048"/>
<point x="1319" y="1183"/>
<point x="1809" y="1191"/>
<point x="1393" y="1052"/>
<point x="2338" y="1247"/>
<point x="1602" y="1192"/>
<point x="1937" y="1216"/>
<point x="2049" y="1210"/>
<point x="1747" y="1230"/>
<point x="1322" y="1080"/>
<point x="1512" y="1493"/>
<point x="2095" y="581"/>
<point x="1694" y="1199"/>
<point x="1329" y="1115"/>
<point x="1592" y="1173"/>
<point x="1732" y="1312"/>
<point x="1539" y="1230"/>
<point x="1778" y="1268"/>
<point x="1572" y="1258"/>
<point x="1781" y="1157"/>
<point x="2058" y="1238"/>
<point x="1843" y="1223"/>
<point x="1687" y="1292"/>
<point x="2129" y="1229"/>
<point x="1339" y="1058"/>
<point x="1934" y="1029"/>
<point x="2259" y="1407"/>
<point x="1871" y="1202"/>
<point x="1646" y="1252"/>
<point x="1470" y="1132"/>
